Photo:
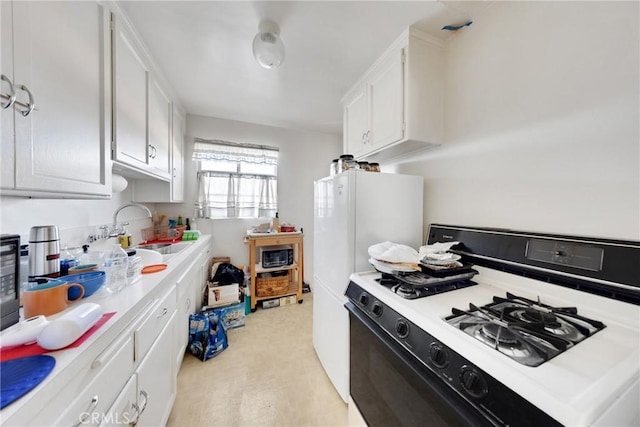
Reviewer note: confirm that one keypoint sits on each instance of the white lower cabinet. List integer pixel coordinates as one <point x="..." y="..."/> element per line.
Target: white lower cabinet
<point x="187" y="288"/>
<point x="125" y="410"/>
<point x="157" y="380"/>
<point x="148" y="396"/>
<point x="114" y="367"/>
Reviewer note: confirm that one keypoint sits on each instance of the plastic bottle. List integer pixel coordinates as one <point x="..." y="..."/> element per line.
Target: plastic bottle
<point x="116" y="265"/>
<point x="67" y="261"/>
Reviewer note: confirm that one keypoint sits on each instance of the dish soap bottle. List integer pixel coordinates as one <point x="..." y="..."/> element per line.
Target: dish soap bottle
<point x="275" y="224"/>
<point x="115" y="267"/>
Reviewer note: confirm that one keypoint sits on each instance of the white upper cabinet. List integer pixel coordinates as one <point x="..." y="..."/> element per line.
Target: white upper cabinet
<point x="397" y="106"/>
<point x="177" y="157"/>
<point x="156" y="191"/>
<point x="55" y="135"/>
<point x="355" y="122"/>
<point x="159" y="128"/>
<point x="142" y="111"/>
<point x="130" y="101"/>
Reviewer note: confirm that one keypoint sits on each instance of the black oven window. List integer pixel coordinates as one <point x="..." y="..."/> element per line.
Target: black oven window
<point x="390" y="393"/>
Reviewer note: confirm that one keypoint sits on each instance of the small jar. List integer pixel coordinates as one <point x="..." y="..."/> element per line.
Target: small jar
<point x="346" y="162"/>
<point x="333" y="169"/>
<point x="364" y="166"/>
<point x="374" y="167"/>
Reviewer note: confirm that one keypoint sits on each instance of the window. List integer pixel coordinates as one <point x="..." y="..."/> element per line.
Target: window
<point x="236" y="180"/>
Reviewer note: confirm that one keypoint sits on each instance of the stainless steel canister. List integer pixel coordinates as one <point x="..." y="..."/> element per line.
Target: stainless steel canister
<point x="44" y="251"/>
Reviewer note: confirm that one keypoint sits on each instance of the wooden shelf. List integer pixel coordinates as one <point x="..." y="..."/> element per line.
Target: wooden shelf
<point x="296" y="274"/>
<point x="270" y="270"/>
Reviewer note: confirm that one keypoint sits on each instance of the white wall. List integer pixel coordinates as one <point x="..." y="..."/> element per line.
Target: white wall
<point x="304" y="157"/>
<point x="541" y="122"/>
<point x="76" y="219"/>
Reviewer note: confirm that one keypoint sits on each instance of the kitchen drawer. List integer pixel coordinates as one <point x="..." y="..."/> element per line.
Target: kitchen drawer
<point x="147" y="331"/>
<point x="92" y="402"/>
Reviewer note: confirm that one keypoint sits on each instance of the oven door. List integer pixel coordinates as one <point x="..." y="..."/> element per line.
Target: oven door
<point x="392" y="388"/>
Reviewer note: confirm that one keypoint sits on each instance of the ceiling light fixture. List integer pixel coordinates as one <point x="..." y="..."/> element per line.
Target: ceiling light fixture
<point x="267" y="45"/>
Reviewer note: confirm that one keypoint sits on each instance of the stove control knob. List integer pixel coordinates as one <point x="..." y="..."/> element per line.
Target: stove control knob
<point x="376" y="309"/>
<point x="363" y="299"/>
<point x="473" y="382"/>
<point x="438" y="355"/>
<point x="402" y="328"/>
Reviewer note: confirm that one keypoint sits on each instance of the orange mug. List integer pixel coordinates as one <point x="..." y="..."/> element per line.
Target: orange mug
<point x="48" y="298"/>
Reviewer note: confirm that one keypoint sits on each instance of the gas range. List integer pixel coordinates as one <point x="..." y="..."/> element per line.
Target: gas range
<point x="512" y="344"/>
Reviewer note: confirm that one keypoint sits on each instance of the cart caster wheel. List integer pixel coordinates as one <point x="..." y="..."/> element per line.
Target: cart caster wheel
<point x="300" y="301"/>
<point x="253" y="310"/>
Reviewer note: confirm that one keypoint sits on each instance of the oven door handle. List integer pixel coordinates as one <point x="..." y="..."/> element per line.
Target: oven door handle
<point x="472" y="415"/>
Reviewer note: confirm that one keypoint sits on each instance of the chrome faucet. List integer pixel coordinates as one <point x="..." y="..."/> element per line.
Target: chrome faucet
<point x="115" y="231"/>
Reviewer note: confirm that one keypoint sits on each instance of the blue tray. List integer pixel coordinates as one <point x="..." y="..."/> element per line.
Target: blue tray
<point x="19" y="376"/>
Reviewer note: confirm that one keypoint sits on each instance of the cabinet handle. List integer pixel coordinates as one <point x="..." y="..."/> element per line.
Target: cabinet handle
<point x="175" y="173"/>
<point x="144" y="404"/>
<point x="152" y="152"/>
<point x="136" y="411"/>
<point x="86" y="415"/>
<point x="368" y="133"/>
<point x="187" y="303"/>
<point x="31" y="105"/>
<point x="12" y="93"/>
<point x="155" y="152"/>
<point x="364" y="138"/>
<point x="164" y="312"/>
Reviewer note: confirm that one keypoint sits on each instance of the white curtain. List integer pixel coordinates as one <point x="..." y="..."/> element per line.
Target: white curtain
<point x="223" y="194"/>
<point x="231" y="151"/>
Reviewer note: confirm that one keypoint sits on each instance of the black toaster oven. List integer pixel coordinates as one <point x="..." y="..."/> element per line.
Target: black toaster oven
<point x="9" y="280"/>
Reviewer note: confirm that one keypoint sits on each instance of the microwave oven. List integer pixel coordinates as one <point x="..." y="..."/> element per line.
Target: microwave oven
<point x="276" y="256"/>
<point x="9" y="280"/>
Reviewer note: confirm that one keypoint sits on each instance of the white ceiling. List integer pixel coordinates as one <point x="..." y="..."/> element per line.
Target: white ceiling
<point x="204" y="50"/>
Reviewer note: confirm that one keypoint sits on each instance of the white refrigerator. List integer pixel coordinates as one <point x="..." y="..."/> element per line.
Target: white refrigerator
<point x="352" y="211"/>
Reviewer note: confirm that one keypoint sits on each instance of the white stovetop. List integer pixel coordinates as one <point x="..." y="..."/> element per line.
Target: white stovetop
<point x="575" y="387"/>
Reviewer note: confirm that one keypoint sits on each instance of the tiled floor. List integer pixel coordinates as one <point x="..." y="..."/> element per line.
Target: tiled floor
<point x="268" y="376"/>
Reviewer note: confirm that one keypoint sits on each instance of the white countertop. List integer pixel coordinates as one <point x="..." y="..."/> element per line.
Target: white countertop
<point x="127" y="305"/>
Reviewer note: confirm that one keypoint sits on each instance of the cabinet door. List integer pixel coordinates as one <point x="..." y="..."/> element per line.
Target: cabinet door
<point x="124" y="410"/>
<point x="157" y="380"/>
<point x="62" y="58"/>
<point x="386" y="98"/>
<point x="6" y="112"/>
<point x="177" y="157"/>
<point x="204" y="277"/>
<point x="159" y="129"/>
<point x="355" y="123"/>
<point x="186" y="305"/>
<point x="130" y="101"/>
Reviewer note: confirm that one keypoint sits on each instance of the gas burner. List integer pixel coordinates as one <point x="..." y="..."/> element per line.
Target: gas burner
<point x="546" y="321"/>
<point x="417" y="285"/>
<point x="521" y="347"/>
<point x="499" y="334"/>
<point x="536" y="316"/>
<point x="527" y="331"/>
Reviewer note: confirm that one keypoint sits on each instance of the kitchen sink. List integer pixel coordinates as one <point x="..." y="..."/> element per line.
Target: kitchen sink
<point x="163" y="248"/>
<point x="166" y="249"/>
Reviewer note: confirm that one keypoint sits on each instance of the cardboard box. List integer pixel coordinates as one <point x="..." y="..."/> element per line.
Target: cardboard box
<point x="271" y="303"/>
<point x="223" y="295"/>
<point x="288" y="300"/>
<point x="231" y="316"/>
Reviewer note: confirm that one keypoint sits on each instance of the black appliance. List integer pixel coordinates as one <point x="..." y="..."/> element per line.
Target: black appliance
<point x="564" y="309"/>
<point x="9" y="280"/>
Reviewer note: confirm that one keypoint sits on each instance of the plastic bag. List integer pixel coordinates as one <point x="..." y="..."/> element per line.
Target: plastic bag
<point x="207" y="335"/>
<point x="228" y="273"/>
